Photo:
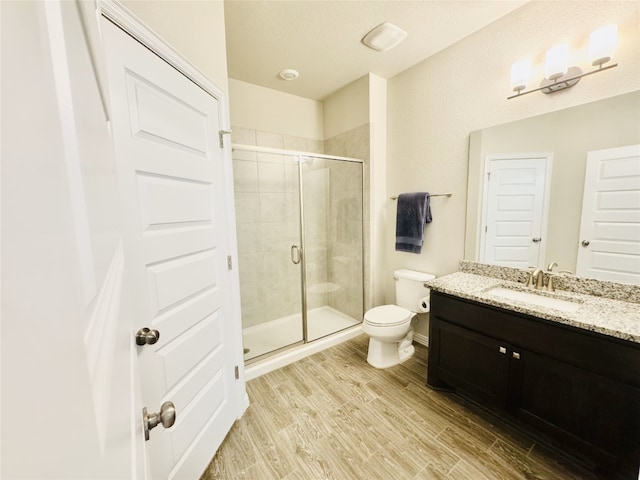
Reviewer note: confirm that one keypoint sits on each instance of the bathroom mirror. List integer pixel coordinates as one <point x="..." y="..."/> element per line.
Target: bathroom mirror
<point x="568" y="135"/>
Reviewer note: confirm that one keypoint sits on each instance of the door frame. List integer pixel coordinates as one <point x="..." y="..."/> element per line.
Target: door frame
<point x="548" y="158"/>
<point x="120" y="16"/>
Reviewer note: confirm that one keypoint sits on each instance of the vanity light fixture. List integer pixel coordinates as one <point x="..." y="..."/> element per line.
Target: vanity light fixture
<point x="558" y="75"/>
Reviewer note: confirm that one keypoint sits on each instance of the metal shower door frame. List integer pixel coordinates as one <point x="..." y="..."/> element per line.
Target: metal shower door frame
<point x="300" y="157"/>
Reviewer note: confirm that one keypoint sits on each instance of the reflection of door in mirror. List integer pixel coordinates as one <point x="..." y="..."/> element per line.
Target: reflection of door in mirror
<point x="610" y="226"/>
<point x="514" y="210"/>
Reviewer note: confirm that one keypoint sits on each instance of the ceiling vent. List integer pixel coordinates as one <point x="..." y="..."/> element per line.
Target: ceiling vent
<point x="384" y="37"/>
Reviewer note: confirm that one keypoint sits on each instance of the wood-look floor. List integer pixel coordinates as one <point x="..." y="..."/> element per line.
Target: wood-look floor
<point x="333" y="416"/>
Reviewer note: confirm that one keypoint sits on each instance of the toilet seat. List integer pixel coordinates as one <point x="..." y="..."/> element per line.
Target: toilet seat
<point x="387" y="316"/>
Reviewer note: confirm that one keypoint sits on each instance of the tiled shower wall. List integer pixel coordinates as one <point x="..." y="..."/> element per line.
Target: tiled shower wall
<point x="266" y="198"/>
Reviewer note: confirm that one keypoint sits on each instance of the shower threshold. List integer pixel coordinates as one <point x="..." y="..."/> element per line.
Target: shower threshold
<point x="276" y="334"/>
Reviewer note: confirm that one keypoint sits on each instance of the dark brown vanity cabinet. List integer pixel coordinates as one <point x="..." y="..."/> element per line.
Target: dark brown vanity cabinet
<point x="577" y="386"/>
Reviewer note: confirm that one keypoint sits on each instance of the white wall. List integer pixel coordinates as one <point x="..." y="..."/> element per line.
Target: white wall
<point x="436" y="104"/>
<point x="193" y="28"/>
<point x="268" y="110"/>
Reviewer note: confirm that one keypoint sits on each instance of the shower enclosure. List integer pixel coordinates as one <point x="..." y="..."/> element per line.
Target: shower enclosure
<point x="300" y="245"/>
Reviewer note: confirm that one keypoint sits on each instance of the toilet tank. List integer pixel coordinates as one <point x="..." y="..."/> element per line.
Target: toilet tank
<point x="410" y="288"/>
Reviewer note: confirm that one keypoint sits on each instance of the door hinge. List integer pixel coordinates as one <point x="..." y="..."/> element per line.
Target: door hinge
<point x="485" y="229"/>
<point x="237" y="371"/>
<point x="229" y="262"/>
<point x="488" y="176"/>
<point x="221" y="135"/>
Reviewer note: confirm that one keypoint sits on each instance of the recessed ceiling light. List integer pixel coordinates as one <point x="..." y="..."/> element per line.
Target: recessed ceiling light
<point x="289" y="74"/>
<point x="384" y="37"/>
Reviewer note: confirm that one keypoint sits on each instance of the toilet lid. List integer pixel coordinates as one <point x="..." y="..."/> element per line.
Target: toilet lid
<point x="387" y="315"/>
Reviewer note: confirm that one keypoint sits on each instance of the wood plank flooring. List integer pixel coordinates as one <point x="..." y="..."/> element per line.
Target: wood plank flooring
<point x="333" y="416"/>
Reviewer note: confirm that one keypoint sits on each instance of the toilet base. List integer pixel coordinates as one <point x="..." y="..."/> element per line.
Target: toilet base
<point x="385" y="355"/>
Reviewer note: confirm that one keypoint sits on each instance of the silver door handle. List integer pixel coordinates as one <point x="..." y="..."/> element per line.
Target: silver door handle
<point x="536" y="239"/>
<point x="296" y="256"/>
<point x="146" y="336"/>
<point x="166" y="417"/>
<point x="585" y="243"/>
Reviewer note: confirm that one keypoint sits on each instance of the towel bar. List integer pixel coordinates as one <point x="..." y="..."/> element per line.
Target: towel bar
<point x="431" y="195"/>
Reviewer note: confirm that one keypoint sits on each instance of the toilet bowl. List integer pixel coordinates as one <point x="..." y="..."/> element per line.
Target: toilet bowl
<point x="389" y="326"/>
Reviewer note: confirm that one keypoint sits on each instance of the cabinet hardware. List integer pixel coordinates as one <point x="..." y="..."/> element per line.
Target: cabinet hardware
<point x="516" y="355"/>
<point x="296" y="255"/>
<point x="502" y="350"/>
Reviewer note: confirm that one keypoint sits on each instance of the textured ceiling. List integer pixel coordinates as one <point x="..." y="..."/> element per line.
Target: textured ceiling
<point x="321" y="38"/>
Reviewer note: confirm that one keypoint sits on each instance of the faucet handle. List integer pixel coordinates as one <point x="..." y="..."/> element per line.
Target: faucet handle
<point x="530" y="281"/>
<point x="550" y="283"/>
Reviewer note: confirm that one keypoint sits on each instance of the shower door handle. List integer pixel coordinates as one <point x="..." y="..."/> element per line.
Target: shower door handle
<point x="296" y="254"/>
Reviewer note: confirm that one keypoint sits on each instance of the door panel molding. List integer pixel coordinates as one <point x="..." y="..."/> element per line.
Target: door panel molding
<point x="517" y="202"/>
<point x="129" y="23"/>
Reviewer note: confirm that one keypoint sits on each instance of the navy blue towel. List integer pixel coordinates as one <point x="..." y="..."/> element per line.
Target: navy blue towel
<point x="413" y="213"/>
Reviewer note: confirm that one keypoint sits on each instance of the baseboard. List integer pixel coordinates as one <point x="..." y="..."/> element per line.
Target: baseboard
<point x="421" y="339"/>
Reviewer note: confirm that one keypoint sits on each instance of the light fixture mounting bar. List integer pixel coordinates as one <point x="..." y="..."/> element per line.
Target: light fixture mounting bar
<point x="564" y="80"/>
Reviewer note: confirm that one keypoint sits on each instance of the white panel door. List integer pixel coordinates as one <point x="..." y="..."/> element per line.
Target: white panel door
<point x="172" y="179"/>
<point x="513" y="216"/>
<point x="68" y="383"/>
<point x="610" y="227"/>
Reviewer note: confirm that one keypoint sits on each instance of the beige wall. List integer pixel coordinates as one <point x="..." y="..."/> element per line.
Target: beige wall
<point x="568" y="135"/>
<point x="435" y="105"/>
<point x="377" y="191"/>
<point x="347" y="108"/>
<point x="195" y="29"/>
<point x="265" y="109"/>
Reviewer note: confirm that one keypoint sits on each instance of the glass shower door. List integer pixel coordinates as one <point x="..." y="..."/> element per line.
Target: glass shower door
<point x="333" y="244"/>
<point x="268" y="229"/>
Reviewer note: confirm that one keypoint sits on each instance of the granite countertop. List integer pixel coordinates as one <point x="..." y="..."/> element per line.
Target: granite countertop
<point x="615" y="318"/>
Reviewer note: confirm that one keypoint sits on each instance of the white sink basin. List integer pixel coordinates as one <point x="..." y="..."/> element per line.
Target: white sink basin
<point x="535" y="299"/>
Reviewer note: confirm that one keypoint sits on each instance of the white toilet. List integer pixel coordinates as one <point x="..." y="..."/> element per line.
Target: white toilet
<point x="389" y="326"/>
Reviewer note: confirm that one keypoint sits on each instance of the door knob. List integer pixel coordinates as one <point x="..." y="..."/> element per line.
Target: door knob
<point x="536" y="239"/>
<point x="585" y="243"/>
<point x="146" y="336"/>
<point x="166" y="417"/>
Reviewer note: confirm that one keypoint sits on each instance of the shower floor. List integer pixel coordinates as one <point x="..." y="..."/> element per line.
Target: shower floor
<point x="279" y="333"/>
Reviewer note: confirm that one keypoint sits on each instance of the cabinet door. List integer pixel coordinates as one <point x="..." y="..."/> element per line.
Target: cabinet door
<point x="572" y="403"/>
<point x="473" y="364"/>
